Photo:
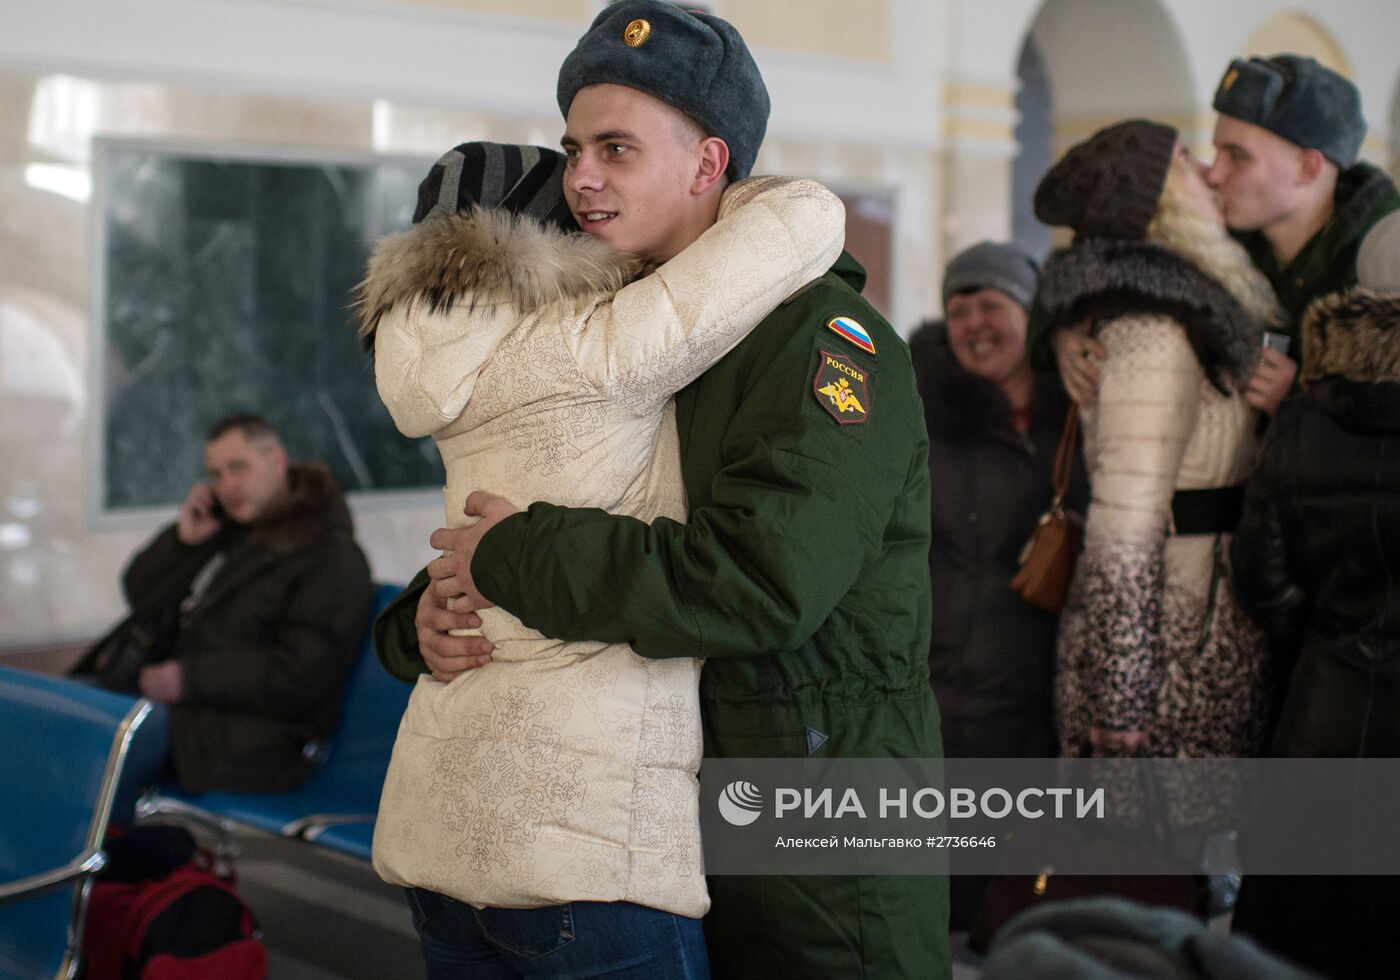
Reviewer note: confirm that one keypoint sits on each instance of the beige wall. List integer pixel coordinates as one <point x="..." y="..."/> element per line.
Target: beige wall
<point x="1300" y="34"/>
<point x="904" y="104"/>
<point x="838" y="28"/>
<point x="58" y="574"/>
<point x="570" y="10"/>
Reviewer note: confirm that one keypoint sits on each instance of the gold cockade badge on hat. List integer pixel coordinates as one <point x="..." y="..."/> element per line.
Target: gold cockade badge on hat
<point x="1229" y="80"/>
<point x="635" y="34"/>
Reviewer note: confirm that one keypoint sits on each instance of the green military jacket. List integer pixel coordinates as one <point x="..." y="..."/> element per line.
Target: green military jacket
<point x="1327" y="263"/>
<point x="802" y="573"/>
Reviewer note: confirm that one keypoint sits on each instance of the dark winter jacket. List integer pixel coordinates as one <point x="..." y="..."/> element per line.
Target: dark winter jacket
<point x="1327" y="263"/>
<point x="267" y="650"/>
<point x="1317" y="555"/>
<point x="992" y="655"/>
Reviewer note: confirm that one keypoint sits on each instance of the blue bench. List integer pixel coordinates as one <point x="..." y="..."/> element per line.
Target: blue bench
<point x="353" y="839"/>
<point x="67" y="752"/>
<point x="344" y="791"/>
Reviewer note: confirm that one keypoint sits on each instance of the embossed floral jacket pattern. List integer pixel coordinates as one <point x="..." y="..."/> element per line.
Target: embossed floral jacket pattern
<point x="565" y="771"/>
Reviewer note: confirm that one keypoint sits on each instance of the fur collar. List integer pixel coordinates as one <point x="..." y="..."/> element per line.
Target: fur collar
<point x="314" y="505"/>
<point x="963" y="409"/>
<point x="1098" y="279"/>
<point x="1354" y="335"/>
<point x="485" y="257"/>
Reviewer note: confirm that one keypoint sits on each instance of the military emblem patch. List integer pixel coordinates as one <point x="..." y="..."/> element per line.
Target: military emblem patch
<point x="636" y="33"/>
<point x="848" y="329"/>
<point x="842" y="388"/>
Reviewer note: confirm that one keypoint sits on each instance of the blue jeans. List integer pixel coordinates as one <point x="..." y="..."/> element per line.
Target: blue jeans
<point x="563" y="942"/>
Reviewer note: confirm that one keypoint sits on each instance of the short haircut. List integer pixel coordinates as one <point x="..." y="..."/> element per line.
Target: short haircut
<point x="253" y="426"/>
<point x="688" y="130"/>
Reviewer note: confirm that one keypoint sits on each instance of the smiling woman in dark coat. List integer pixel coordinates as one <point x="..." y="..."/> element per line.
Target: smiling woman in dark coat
<point x="994" y="426"/>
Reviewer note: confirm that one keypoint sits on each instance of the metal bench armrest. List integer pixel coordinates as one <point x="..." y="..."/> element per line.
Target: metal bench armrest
<point x="87" y="863"/>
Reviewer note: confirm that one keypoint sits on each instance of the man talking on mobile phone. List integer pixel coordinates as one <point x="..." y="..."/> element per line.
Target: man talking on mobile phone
<point x="246" y="615"/>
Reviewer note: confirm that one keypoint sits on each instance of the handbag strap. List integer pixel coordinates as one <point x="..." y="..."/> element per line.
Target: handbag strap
<point x="1064" y="456"/>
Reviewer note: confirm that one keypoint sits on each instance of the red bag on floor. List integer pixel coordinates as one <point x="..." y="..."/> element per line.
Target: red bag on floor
<point x="185" y="923"/>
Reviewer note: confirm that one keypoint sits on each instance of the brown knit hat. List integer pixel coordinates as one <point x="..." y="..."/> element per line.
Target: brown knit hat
<point x="1108" y="186"/>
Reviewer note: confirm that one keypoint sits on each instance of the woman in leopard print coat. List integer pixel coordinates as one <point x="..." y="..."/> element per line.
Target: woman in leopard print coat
<point x="1154" y="652"/>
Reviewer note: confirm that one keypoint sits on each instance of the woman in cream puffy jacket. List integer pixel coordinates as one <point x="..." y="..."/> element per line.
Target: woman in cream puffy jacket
<point x="564" y="771"/>
<point x="1155" y="654"/>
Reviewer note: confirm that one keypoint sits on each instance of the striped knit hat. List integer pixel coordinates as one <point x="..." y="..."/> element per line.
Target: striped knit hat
<point x="524" y="180"/>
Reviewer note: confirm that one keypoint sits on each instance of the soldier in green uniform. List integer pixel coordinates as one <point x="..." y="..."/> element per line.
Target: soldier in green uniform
<point x="802" y="573"/>
<point x="1286" y="144"/>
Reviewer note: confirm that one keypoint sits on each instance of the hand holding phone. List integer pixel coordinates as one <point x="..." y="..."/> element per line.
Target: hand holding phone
<point x="1272" y="379"/>
<point x="200" y="516"/>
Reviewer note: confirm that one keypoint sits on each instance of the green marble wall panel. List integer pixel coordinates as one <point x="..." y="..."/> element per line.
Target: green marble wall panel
<point x="225" y="286"/>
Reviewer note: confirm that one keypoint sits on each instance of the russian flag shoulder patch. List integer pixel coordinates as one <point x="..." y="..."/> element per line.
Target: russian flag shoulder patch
<point x="847" y="328"/>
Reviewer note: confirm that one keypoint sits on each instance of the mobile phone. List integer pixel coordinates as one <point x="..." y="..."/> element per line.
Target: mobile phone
<point x="216" y="510"/>
<point x="1278" y="341"/>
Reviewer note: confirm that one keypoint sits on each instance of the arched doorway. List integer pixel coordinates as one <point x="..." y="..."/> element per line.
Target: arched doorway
<point x="1034" y="105"/>
<point x="1086" y="64"/>
<point x="1298" y="34"/>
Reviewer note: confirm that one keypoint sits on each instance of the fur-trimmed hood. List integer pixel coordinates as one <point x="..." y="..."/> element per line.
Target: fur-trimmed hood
<point x="1355" y="335"/>
<point x="1351" y="358"/>
<point x="485" y="257"/>
<point x="313" y="506"/>
<point x="1098" y="279"/>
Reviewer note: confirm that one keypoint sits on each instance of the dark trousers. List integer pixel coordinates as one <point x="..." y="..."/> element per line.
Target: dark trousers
<point x="617" y="940"/>
<point x="1342" y="927"/>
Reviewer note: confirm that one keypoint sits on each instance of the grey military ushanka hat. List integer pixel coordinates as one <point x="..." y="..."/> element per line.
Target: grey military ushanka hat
<point x="1296" y="98"/>
<point x="695" y="62"/>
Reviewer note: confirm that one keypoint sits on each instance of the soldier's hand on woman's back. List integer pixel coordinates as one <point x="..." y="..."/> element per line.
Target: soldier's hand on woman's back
<point x="451" y="600"/>
<point x="1079" y="356"/>
<point x="448" y="654"/>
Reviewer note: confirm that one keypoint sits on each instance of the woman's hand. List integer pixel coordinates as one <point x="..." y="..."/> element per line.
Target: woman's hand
<point x="1116" y="742"/>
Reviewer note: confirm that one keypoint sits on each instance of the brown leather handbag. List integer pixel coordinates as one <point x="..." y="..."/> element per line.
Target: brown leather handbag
<point x="1047" y="560"/>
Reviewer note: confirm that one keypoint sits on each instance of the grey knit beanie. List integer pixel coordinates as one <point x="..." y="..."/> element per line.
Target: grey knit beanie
<point x="1378" y="262"/>
<point x="1108" y="186"/>
<point x="1003" y="266"/>
<point x="695" y="62"/>
<point x="524" y="180"/>
<point x="1298" y="99"/>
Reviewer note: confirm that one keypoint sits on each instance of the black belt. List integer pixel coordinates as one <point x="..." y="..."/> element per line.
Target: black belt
<point x="1215" y="511"/>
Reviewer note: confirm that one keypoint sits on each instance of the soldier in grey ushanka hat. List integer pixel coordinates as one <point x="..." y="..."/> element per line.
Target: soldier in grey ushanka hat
<point x="694" y="62"/>
<point x="1296" y="98"/>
